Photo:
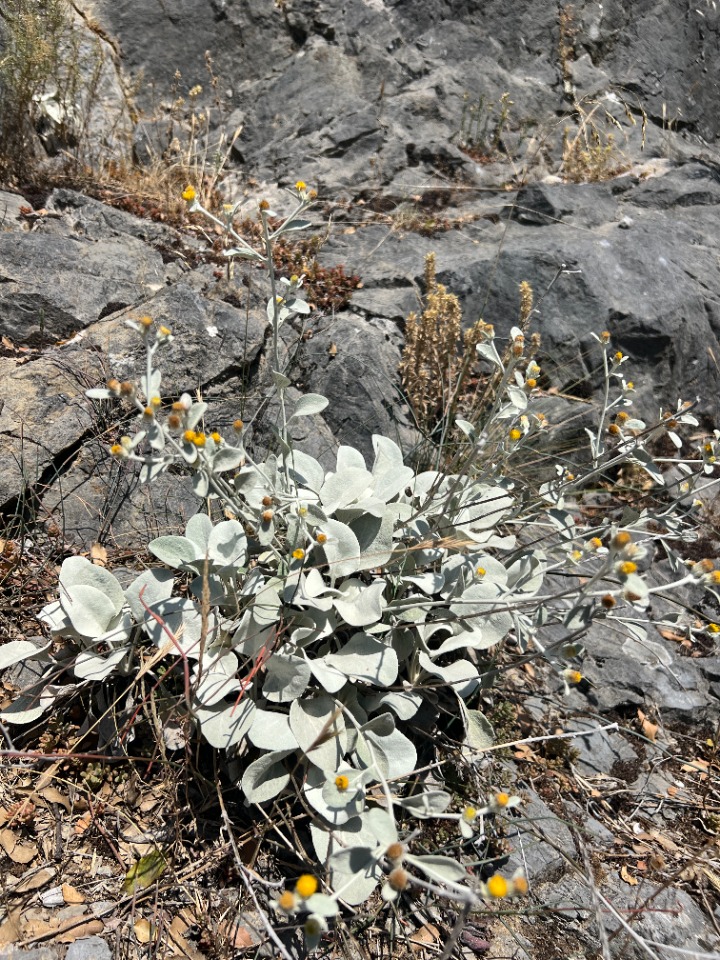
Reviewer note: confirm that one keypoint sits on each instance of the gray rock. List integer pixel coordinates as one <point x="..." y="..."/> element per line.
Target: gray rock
<point x="664" y="916"/>
<point x="602" y="752"/>
<point x="53" y="286"/>
<point x="10" y="216"/>
<point x="89" y="948"/>
<point x="540" y="859"/>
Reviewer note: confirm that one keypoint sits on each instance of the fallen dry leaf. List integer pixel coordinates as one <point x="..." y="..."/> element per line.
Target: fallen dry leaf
<point x="698" y="766"/>
<point x="18" y="851"/>
<point x="10" y="928"/>
<point x="35" y="880"/>
<point x="81" y="825"/>
<point x="625" y="875"/>
<point x="236" y="935"/>
<point x="425" y="935"/>
<point x="53" y="795"/>
<point x="144" y="931"/>
<point x="71" y="895"/>
<point x="68" y="933"/>
<point x="181" y="946"/>
<point x="98" y="555"/>
<point x="648" y="728"/>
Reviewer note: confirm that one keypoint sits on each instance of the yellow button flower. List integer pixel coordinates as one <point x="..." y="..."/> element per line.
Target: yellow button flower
<point x="306" y="886"/>
<point x="497" y="886"/>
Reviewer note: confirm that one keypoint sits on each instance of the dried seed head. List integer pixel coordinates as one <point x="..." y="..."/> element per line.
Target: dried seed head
<point x="395" y="851"/>
<point x="399" y="879"/>
<point x="287" y="901"/>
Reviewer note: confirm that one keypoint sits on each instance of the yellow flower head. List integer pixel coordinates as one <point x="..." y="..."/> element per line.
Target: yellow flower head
<point x="627" y="568"/>
<point x="342" y="782"/>
<point x="573" y="676"/>
<point x="149" y="412"/>
<point x="621" y="539"/>
<point x="531" y="383"/>
<point x="189" y="194"/>
<point x="117" y="450"/>
<point x="321" y="538"/>
<point x="155" y="402"/>
<point x="713" y="628"/>
<point x="502" y="799"/>
<point x="189" y="436"/>
<point x="165" y="331"/>
<point x="298" y="554"/>
<point x="306" y="886"/>
<point x="576" y="555"/>
<point x="113" y="385"/>
<point x="614" y="429"/>
<point x="515" y="434"/>
<point x="619" y="356"/>
<point x="469" y="814"/>
<point x="630" y="385"/>
<point x="216" y="436"/>
<point x="480" y="571"/>
<point x="605" y="336"/>
<point x="622" y="416"/>
<point x="264" y="205"/>
<point x="237" y="425"/>
<point x="497" y="886"/>
<point x="714" y="577"/>
<point x="300" y="186"/>
<point x="199" y="439"/>
<point x="145" y="322"/>
<point x="594" y="543"/>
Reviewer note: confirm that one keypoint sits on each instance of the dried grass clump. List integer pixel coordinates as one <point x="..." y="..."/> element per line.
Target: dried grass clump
<point x="439" y="367"/>
<point x="430" y="361"/>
